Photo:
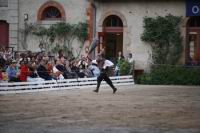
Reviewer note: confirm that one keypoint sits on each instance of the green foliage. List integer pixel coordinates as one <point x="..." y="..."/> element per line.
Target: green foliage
<point x="171" y="75"/>
<point x="56" y="48"/>
<point x="66" y="32"/>
<point x="125" y="67"/>
<point x="40" y="31"/>
<point x="163" y="35"/>
<point x="81" y="31"/>
<point x="62" y="31"/>
<point x="81" y="34"/>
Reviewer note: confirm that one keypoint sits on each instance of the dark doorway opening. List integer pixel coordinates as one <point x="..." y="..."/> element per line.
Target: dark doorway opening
<point x="4" y="34"/>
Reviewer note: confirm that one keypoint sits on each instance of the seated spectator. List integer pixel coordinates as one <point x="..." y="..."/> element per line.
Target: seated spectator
<point x="2" y="61"/>
<point x="24" y="70"/>
<point x="1" y="75"/>
<point x="12" y="72"/>
<point x="94" y="68"/>
<point x="75" y="69"/>
<point x="82" y="65"/>
<point x="58" y="74"/>
<point x="33" y="77"/>
<point x="42" y="71"/>
<point x="61" y="67"/>
<point x="4" y="76"/>
<point x="72" y="74"/>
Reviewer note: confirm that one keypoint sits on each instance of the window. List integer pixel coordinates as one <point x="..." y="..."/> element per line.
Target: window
<point x="194" y="22"/>
<point x="51" y="13"/>
<point x="113" y="21"/>
<point x="193" y="43"/>
<point x="192" y="46"/>
<point x="51" y="10"/>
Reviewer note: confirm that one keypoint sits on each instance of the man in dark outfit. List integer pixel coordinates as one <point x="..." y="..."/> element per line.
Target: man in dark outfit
<point x="43" y="72"/>
<point x="104" y="65"/>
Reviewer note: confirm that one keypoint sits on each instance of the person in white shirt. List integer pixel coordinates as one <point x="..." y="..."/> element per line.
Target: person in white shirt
<point x="130" y="58"/>
<point x="94" y="68"/>
<point x="59" y="75"/>
<point x="104" y="65"/>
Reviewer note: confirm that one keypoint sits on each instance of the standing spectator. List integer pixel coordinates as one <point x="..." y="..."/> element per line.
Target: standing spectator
<point x="130" y="58"/>
<point x="120" y="58"/>
<point x="131" y="61"/>
<point x="41" y="48"/>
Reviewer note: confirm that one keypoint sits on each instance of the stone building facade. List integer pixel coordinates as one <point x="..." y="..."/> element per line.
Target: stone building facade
<point x="9" y="22"/>
<point x="117" y="23"/>
<point x="132" y="13"/>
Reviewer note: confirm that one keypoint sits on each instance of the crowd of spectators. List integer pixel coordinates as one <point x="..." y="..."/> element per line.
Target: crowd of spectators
<point x="29" y="66"/>
<point x="39" y="66"/>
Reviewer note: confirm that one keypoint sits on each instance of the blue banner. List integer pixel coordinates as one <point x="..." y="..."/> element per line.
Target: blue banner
<point x="192" y="8"/>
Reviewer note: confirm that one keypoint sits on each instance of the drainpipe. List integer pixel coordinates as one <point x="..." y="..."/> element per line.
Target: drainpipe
<point x="94" y="22"/>
<point x="94" y="18"/>
<point x="18" y="26"/>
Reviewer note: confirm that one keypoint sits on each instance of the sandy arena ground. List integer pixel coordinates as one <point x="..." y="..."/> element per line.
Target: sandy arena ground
<point x="133" y="109"/>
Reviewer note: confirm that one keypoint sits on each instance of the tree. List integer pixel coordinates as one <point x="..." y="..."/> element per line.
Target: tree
<point x="163" y="34"/>
<point x="81" y="35"/>
<point x="66" y="31"/>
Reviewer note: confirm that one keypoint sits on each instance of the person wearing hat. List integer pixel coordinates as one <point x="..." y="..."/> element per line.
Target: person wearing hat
<point x="94" y="68"/>
<point x="104" y="65"/>
<point x="12" y="72"/>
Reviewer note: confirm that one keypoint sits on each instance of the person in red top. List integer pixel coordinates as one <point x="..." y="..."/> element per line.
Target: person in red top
<point x="24" y="71"/>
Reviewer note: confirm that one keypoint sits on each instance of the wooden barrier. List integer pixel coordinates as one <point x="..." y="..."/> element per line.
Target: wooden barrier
<point x="24" y="87"/>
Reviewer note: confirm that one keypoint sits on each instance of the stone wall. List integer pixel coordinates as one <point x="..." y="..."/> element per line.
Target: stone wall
<point x="9" y="12"/>
<point x="132" y="14"/>
<point x="75" y="10"/>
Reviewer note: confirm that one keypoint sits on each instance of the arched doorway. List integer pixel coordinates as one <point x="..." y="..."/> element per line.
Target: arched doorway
<point x="112" y="37"/>
<point x="4" y="34"/>
<point x="193" y="41"/>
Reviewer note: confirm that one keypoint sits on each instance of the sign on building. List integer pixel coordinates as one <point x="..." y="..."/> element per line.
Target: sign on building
<point x="192" y="8"/>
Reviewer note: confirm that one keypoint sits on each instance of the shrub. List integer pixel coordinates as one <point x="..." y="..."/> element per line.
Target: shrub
<point x="171" y="75"/>
<point x="125" y="67"/>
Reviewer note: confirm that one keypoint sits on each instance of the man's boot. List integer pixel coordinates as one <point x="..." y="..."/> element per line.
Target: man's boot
<point x="97" y="90"/>
<point x="114" y="90"/>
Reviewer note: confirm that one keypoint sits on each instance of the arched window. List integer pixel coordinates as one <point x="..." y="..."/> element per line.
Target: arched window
<point x="51" y="10"/>
<point x="51" y="13"/>
<point x="113" y="21"/>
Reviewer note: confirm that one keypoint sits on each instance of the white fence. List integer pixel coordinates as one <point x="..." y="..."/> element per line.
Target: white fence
<point x="24" y="87"/>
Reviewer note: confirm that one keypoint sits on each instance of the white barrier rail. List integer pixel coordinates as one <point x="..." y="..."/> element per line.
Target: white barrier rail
<point x="24" y="87"/>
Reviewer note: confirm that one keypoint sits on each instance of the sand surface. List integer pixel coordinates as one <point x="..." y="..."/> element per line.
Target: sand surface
<point x="133" y="109"/>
